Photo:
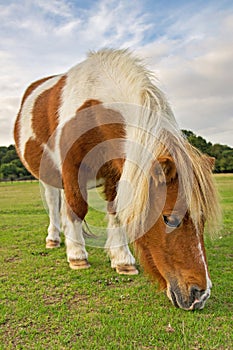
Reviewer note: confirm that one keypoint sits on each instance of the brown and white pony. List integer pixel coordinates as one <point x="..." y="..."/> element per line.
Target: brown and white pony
<point x="105" y="120"/>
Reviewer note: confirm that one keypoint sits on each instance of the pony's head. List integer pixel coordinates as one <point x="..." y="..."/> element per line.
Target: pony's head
<point x="172" y="251"/>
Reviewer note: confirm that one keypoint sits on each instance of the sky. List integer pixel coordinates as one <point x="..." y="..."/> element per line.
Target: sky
<point x="187" y="44"/>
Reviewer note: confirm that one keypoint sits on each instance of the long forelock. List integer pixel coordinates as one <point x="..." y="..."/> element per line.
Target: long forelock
<point x="196" y="184"/>
<point x="204" y="204"/>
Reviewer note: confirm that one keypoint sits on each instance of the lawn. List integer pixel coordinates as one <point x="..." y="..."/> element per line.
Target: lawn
<point x="45" y="305"/>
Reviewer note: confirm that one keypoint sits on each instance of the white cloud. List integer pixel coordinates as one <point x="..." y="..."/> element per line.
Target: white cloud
<point x="192" y="53"/>
<point x="41" y="37"/>
<point x="196" y="72"/>
<point x="55" y="7"/>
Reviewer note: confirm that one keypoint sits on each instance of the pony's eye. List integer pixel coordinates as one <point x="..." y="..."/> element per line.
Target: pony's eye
<point x="171" y="220"/>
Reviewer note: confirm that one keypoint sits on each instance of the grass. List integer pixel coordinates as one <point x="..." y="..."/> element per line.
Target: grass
<point x="45" y="305"/>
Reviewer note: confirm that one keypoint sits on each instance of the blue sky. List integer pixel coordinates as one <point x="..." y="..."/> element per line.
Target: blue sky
<point x="188" y="44"/>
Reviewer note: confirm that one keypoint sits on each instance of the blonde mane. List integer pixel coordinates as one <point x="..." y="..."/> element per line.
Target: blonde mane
<point x="151" y="132"/>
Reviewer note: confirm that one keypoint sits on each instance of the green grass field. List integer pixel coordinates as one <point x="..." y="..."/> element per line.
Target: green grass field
<point x="45" y="305"/>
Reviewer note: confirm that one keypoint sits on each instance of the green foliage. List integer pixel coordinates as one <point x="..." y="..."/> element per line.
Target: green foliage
<point x="223" y="154"/>
<point x="11" y="168"/>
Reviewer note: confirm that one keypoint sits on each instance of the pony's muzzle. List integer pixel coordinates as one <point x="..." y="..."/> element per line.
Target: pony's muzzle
<point x="193" y="300"/>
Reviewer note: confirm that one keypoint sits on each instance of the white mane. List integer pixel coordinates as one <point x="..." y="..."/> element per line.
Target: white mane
<point x="151" y="131"/>
<point x="147" y="115"/>
<point x="121" y="81"/>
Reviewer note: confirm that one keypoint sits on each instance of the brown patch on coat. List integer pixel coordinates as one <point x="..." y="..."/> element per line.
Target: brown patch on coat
<point x="32" y="154"/>
<point x="143" y="251"/>
<point x="46" y="170"/>
<point x="91" y="146"/>
<point x="44" y="123"/>
<point x="28" y="92"/>
<point x="88" y="104"/>
<point x="45" y="112"/>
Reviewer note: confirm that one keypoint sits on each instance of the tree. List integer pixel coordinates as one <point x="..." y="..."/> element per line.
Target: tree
<point x="9" y="171"/>
<point x="11" y="167"/>
<point x="198" y="141"/>
<point x="3" y="151"/>
<point x="9" y="156"/>
<point x="222" y="153"/>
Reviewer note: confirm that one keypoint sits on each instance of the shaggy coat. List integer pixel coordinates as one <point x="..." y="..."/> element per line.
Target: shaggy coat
<point x="106" y="121"/>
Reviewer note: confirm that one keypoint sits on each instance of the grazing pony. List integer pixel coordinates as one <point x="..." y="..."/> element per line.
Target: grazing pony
<point x="105" y="121"/>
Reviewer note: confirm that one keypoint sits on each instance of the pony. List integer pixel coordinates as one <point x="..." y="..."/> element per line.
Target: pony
<point x="106" y="122"/>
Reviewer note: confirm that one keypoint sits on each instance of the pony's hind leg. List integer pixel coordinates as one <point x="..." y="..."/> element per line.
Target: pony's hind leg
<point x="75" y="244"/>
<point x="121" y="258"/>
<point x="52" y="197"/>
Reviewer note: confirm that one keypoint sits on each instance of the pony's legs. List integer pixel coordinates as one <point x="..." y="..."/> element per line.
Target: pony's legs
<point x="75" y="244"/>
<point x="121" y="258"/>
<point x="52" y="196"/>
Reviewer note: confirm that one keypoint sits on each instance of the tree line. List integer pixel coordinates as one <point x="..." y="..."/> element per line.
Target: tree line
<point x="223" y="154"/>
<point x="11" y="168"/>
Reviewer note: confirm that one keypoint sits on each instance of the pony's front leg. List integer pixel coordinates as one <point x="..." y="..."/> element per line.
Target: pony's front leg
<point x="121" y="258"/>
<point x="74" y="209"/>
<point x="75" y="245"/>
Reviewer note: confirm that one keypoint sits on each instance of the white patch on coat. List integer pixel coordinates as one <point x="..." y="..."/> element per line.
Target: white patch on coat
<point x="26" y="115"/>
<point x="207" y="293"/>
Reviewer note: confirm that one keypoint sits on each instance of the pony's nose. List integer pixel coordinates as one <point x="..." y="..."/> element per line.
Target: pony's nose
<point x="196" y="293"/>
<point x="192" y="299"/>
<point x="198" y="297"/>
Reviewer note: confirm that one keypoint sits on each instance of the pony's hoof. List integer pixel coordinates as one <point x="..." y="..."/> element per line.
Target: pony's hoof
<point x="126" y="270"/>
<point x="76" y="264"/>
<point x="52" y="244"/>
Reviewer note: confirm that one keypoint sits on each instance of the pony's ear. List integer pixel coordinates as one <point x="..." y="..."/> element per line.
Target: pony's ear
<point x="164" y="169"/>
